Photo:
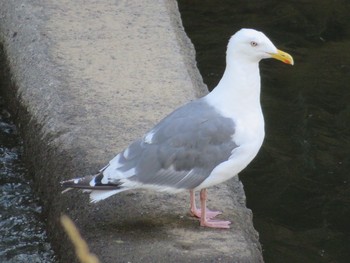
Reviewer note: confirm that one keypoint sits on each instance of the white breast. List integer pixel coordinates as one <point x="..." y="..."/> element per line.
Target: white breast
<point x="249" y="136"/>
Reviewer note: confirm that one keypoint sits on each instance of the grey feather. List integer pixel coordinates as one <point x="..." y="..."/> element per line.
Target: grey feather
<point x="185" y="148"/>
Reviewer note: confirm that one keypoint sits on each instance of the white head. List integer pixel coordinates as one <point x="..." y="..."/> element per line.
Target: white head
<point x="251" y="46"/>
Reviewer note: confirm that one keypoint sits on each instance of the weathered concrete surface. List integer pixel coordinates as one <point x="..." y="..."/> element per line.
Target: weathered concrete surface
<point x="87" y="78"/>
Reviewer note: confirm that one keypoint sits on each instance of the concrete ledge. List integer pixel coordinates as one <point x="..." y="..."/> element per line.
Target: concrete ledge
<point x="87" y="78"/>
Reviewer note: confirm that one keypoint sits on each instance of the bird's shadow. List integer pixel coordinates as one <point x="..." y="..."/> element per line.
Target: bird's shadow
<point x="146" y="228"/>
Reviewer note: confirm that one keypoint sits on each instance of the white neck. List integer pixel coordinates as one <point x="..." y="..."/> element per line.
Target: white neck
<point x="238" y="90"/>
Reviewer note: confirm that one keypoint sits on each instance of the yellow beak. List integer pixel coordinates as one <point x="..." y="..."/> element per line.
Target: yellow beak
<point x="283" y="56"/>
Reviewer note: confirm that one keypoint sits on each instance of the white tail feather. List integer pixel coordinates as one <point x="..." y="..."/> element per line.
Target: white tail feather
<point x="66" y="190"/>
<point x="98" y="195"/>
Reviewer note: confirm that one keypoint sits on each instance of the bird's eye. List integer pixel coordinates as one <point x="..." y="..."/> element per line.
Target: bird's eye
<point x="253" y="44"/>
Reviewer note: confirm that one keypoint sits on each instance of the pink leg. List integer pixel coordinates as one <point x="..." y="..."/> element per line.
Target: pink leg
<point x="205" y="221"/>
<point x="197" y="211"/>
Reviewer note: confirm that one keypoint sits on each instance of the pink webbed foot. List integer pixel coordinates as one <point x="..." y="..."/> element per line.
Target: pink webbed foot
<point x="197" y="212"/>
<point x="215" y="223"/>
<point x="205" y="219"/>
<point x="209" y="213"/>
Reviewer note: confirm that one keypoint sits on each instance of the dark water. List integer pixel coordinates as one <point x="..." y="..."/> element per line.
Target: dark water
<point x="299" y="185"/>
<point x="22" y="235"/>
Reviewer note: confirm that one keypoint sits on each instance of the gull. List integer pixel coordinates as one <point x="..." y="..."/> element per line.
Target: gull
<point x="203" y="143"/>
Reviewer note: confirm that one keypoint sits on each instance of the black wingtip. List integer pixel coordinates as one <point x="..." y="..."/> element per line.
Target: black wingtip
<point x="90" y="182"/>
<point x="82" y="182"/>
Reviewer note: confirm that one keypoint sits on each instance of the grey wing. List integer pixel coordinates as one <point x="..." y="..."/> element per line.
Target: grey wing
<point x="181" y="151"/>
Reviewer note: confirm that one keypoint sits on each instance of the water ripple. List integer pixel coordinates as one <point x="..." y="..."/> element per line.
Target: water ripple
<point x="22" y="232"/>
